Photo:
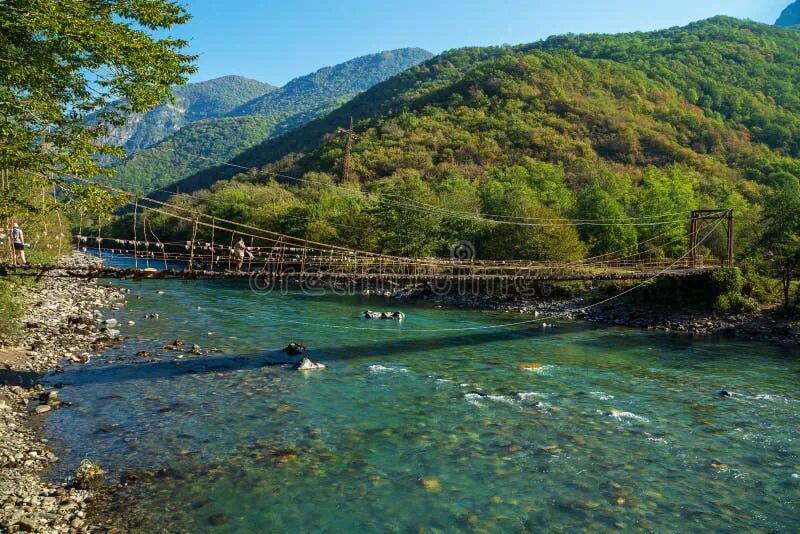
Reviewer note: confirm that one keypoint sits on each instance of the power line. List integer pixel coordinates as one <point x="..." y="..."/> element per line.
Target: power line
<point x="479" y="217"/>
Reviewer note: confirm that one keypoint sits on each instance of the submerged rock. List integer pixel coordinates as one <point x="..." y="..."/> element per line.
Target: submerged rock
<point x="431" y="484"/>
<point x="308" y="365"/>
<point x="216" y="520"/>
<point x="89" y="476"/>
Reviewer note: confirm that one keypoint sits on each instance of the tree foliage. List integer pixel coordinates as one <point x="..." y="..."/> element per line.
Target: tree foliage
<point x="781" y="237"/>
<point x="62" y="61"/>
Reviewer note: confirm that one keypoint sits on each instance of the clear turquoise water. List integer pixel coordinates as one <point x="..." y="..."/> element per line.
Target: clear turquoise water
<point x="438" y="431"/>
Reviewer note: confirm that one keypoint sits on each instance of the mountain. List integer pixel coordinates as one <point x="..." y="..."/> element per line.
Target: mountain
<point x="790" y="16"/>
<point x="272" y="113"/>
<point x="193" y="102"/>
<point x="637" y="125"/>
<point x="735" y="72"/>
<point x="329" y="83"/>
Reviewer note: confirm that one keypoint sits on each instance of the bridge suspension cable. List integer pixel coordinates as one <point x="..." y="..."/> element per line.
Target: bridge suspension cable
<point x="516" y="323"/>
<point x="271" y="236"/>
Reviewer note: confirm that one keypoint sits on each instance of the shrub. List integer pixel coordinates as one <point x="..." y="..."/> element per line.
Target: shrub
<point x="763" y="289"/>
<point x="728" y="280"/>
<point x="732" y="302"/>
<point x="10" y="308"/>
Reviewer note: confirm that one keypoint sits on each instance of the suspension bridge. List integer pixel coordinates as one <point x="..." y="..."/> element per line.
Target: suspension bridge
<point x="222" y="248"/>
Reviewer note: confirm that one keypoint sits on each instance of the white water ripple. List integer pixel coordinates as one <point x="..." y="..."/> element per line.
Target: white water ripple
<point x="378" y="369"/>
<point x="620" y="415"/>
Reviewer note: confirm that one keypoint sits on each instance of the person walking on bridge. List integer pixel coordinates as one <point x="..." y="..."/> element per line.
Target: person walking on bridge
<point x="240" y="250"/>
<point x="18" y="243"/>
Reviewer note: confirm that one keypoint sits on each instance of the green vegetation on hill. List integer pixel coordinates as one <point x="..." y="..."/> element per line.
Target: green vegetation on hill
<point x="745" y="74"/>
<point x="625" y="127"/>
<point x="179" y="154"/>
<point x="790" y="16"/>
<point x="271" y="114"/>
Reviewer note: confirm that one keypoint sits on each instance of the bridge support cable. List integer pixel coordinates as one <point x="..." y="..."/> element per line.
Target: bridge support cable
<point x="278" y="253"/>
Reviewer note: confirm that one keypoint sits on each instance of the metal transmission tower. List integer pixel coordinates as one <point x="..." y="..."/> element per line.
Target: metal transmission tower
<point x="347" y="149"/>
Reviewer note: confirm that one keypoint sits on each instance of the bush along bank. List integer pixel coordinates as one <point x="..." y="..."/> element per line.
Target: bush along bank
<point x="62" y="322"/>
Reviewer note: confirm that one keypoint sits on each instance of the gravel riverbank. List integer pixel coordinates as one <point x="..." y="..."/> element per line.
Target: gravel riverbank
<point x="63" y="322"/>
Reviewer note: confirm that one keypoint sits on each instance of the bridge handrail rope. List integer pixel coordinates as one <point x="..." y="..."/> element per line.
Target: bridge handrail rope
<point x="324" y="247"/>
<point x="274" y="237"/>
<point x="315" y="260"/>
<point x="506" y="264"/>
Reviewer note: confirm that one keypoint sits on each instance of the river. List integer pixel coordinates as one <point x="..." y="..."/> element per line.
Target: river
<point x="432" y="424"/>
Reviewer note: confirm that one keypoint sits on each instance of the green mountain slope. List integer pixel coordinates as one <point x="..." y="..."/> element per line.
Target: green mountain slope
<point x="790" y="16"/>
<point x="179" y="154"/>
<point x="193" y="102"/>
<point x="274" y="113"/>
<point x="633" y="125"/>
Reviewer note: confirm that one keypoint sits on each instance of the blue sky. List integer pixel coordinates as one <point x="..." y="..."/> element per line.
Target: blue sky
<point x="275" y="41"/>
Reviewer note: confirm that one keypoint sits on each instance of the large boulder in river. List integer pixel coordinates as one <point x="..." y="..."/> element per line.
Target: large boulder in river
<point x="308" y="365"/>
<point x="295" y="349"/>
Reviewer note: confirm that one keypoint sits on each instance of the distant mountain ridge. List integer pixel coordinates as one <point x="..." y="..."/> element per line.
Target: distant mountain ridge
<point x="790" y="16"/>
<point x="338" y="81"/>
<point x="273" y="112"/>
<point x="193" y="102"/>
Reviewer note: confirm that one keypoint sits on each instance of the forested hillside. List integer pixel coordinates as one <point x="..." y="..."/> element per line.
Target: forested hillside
<point x="627" y="127"/>
<point x="273" y="113"/>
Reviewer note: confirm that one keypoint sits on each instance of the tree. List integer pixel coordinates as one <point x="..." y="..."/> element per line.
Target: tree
<point x="619" y="235"/>
<point x="781" y="237"/>
<point x="544" y="240"/>
<point x="408" y="228"/>
<point x="61" y="62"/>
<point x="668" y="194"/>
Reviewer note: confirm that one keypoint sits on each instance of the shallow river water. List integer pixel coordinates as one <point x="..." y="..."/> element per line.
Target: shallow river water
<point x="442" y="430"/>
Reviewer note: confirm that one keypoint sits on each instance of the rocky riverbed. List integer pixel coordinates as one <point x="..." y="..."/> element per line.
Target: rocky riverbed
<point x="63" y="322"/>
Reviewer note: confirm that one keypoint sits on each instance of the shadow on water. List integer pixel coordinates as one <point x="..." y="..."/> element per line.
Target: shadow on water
<point x="220" y="364"/>
<point x="26" y="379"/>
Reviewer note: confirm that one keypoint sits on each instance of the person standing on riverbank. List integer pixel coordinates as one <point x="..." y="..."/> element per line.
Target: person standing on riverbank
<point x="18" y="244"/>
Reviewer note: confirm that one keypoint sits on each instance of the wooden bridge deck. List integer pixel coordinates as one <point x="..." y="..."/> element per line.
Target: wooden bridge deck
<point x="459" y="273"/>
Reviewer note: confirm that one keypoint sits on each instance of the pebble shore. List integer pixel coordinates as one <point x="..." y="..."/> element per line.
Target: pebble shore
<point x="63" y="322"/>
